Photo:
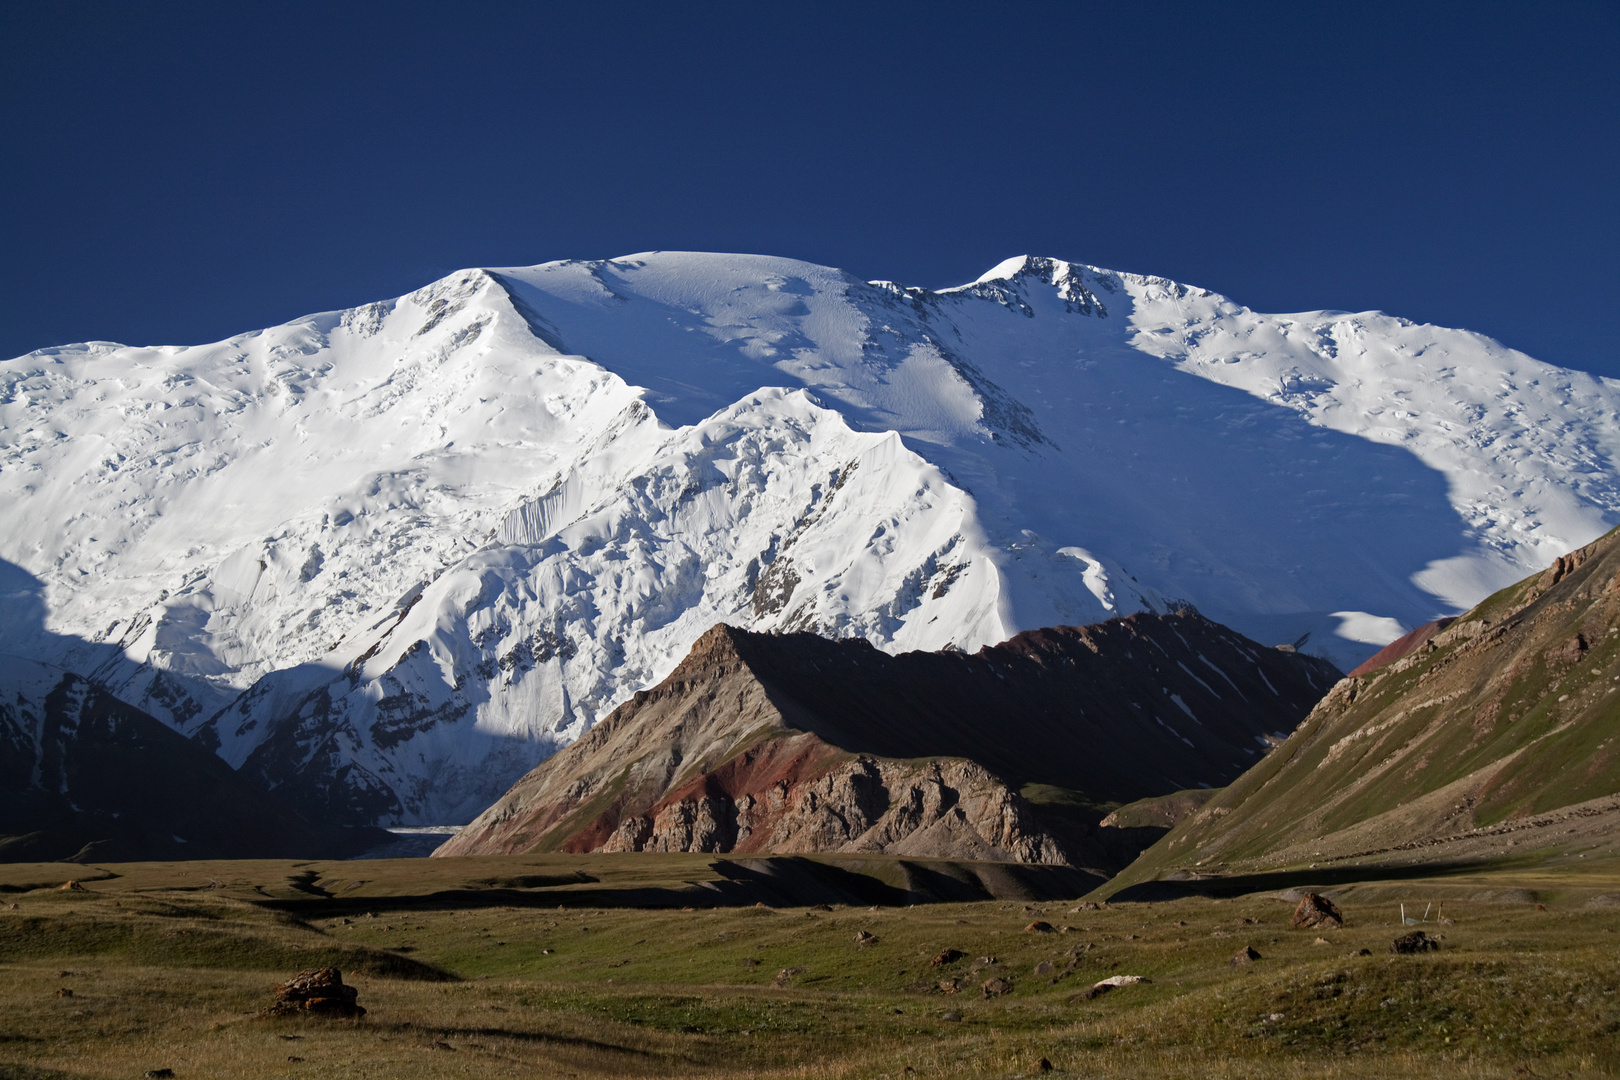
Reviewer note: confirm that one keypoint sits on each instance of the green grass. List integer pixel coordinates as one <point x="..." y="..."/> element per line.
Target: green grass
<point x="466" y="973"/>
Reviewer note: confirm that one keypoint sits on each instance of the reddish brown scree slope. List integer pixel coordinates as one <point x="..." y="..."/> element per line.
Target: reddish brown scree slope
<point x="1406" y="643"/>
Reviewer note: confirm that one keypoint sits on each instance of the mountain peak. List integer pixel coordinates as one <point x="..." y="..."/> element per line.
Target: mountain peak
<point x="400" y="553"/>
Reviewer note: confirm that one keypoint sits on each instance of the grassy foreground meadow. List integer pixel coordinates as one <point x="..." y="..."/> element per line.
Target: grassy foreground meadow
<point x="526" y="966"/>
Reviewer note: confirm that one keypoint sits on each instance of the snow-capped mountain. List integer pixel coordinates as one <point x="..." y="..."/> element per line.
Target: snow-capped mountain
<point x="389" y="558"/>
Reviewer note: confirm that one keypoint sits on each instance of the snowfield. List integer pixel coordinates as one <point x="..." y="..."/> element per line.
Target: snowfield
<point x="389" y="558"/>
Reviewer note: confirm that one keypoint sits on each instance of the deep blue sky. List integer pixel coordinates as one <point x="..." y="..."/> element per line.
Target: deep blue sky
<point x="176" y="173"/>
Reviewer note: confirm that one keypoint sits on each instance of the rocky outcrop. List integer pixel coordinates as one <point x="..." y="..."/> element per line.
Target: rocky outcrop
<point x="317" y="992"/>
<point x="940" y="809"/>
<point x="793" y="743"/>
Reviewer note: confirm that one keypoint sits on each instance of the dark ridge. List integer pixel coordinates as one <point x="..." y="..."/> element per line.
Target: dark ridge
<point x="1085" y="708"/>
<point x="87" y="777"/>
<point x="794" y="743"/>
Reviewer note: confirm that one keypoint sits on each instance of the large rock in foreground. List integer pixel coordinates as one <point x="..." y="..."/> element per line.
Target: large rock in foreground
<point x="794" y="743"/>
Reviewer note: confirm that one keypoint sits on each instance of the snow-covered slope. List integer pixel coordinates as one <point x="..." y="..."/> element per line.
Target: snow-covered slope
<point x="389" y="558"/>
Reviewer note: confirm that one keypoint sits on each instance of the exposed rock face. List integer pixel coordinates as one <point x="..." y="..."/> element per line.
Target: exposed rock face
<point x="945" y="808"/>
<point x="1501" y="731"/>
<point x="794" y="743"/>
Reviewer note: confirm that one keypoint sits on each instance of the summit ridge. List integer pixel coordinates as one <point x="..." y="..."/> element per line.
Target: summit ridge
<point x="389" y="558"/>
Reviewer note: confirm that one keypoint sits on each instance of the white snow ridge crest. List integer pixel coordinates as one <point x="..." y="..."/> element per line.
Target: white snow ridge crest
<point x="390" y="558"/>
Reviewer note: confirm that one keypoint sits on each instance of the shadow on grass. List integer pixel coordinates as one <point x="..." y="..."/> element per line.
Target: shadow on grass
<point x="13" y="1071"/>
<point x="1218" y="887"/>
<point x="537" y="1038"/>
<point x="776" y="881"/>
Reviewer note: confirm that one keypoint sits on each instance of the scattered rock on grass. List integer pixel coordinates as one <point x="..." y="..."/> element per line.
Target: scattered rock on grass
<point x="785" y="976"/>
<point x="1243" y="956"/>
<point x="1044" y="967"/>
<point x="317" y="992"/>
<point x="1414" y="942"/>
<point x="1098" y="989"/>
<point x="1316" y="911"/>
<point x="949" y="956"/>
<point x="996" y="987"/>
<point x="951" y="1016"/>
<point x="1039" y="926"/>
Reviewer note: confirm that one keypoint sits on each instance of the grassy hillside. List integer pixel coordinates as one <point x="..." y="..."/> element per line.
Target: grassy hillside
<point x="1498" y="740"/>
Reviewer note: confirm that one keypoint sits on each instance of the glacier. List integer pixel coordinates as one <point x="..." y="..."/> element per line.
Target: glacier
<point x="389" y="558"/>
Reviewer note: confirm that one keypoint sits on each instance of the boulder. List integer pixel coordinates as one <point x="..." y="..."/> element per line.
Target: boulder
<point x="1316" y="911"/>
<point x="996" y="987"/>
<point x="1039" y="926"/>
<point x="1244" y="956"/>
<point x="1415" y="941"/>
<point x="317" y="992"/>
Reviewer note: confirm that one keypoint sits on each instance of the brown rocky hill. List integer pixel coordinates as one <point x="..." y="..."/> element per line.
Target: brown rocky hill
<point x="85" y="776"/>
<point x="1498" y="736"/>
<point x="794" y="743"/>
